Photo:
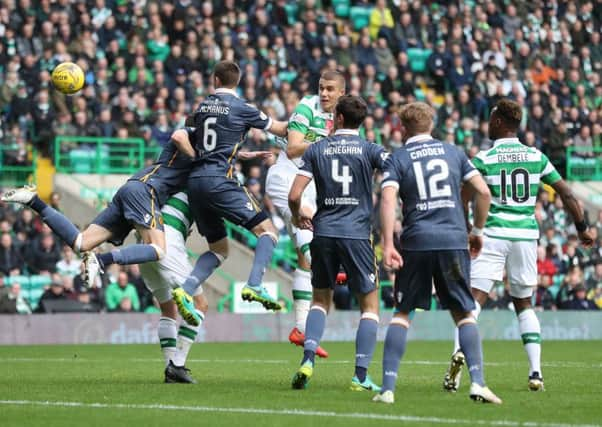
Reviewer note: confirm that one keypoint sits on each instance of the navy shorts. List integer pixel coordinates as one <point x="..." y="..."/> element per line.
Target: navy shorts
<point x="213" y="199"/>
<point x="355" y="255"/>
<point x="134" y="204"/>
<point x="450" y="272"/>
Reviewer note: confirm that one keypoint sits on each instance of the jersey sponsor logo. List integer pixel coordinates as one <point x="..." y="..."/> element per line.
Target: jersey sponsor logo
<point x="147" y="218"/>
<point x="372" y="277"/>
<point x="384" y="156"/>
<point x="249" y="206"/>
<point x="263" y="116"/>
<point x="386" y="175"/>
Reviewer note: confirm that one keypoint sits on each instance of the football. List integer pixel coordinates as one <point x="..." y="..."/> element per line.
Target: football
<point x="68" y="78"/>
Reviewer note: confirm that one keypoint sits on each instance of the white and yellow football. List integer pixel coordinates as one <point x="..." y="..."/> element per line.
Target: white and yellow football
<point x="68" y="78"/>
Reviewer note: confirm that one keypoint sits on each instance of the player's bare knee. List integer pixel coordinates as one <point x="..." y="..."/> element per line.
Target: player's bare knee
<point x="220" y="249"/>
<point x="200" y="303"/>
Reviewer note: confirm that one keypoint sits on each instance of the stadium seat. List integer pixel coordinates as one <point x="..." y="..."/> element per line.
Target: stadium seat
<point x="287" y="76"/>
<point x="82" y="161"/>
<point x="341" y="8"/>
<point x="418" y="58"/>
<point x="360" y="16"/>
<point x="291" y="11"/>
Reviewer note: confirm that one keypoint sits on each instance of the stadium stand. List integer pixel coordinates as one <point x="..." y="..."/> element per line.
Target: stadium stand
<point x="148" y="63"/>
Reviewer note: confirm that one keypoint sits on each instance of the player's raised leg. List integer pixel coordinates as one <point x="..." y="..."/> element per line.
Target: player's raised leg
<point x="267" y="238"/>
<point x="59" y="223"/>
<point x="203" y="268"/>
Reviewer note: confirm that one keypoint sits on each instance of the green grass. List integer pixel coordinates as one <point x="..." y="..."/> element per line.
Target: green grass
<point x="232" y="376"/>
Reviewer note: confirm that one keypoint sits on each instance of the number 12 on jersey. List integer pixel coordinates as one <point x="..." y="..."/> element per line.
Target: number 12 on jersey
<point x="436" y="190"/>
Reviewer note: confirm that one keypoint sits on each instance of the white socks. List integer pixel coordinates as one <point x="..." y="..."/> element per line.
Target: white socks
<point x="302" y="292"/>
<point x="186" y="336"/>
<point x="530" y="331"/>
<point x="167" y="332"/>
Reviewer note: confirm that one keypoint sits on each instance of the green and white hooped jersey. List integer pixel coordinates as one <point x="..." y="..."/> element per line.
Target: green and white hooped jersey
<point x="309" y="119"/>
<point x="513" y="173"/>
<point x="176" y="213"/>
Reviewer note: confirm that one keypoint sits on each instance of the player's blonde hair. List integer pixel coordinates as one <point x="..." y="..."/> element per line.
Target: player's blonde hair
<point x="417" y="117"/>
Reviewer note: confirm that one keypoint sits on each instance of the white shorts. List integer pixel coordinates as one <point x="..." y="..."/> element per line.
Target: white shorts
<point x="519" y="258"/>
<point x="278" y="184"/>
<point x="162" y="276"/>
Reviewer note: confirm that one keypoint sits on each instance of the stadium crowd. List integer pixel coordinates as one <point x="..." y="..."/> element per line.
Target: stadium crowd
<point x="148" y="63"/>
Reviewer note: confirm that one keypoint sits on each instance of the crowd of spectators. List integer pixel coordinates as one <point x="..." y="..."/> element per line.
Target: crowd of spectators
<point x="148" y="63"/>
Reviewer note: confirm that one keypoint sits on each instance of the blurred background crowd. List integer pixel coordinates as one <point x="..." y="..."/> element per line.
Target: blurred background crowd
<point x="148" y="64"/>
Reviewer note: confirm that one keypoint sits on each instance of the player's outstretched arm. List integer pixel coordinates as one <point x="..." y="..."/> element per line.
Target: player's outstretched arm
<point x="182" y="142"/>
<point x="572" y="206"/>
<point x="279" y="128"/>
<point x="248" y="155"/>
<point x="391" y="258"/>
<point x="482" y="197"/>
<point x="296" y="144"/>
<point x="300" y="217"/>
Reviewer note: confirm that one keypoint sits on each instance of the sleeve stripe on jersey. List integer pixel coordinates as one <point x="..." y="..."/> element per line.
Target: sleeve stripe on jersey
<point x="305" y="173"/>
<point x="269" y="124"/>
<point x="390" y="184"/>
<point x="470" y="175"/>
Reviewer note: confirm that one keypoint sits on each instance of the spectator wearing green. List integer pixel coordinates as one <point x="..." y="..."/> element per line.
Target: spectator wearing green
<point x="122" y="296"/>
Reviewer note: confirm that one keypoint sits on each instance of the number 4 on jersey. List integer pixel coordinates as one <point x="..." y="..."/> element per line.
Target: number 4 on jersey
<point x="345" y="178"/>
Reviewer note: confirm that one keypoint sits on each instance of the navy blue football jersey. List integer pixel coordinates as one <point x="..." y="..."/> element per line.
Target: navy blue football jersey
<point x="342" y="167"/>
<point x="429" y="176"/>
<point x="169" y="174"/>
<point x="222" y="121"/>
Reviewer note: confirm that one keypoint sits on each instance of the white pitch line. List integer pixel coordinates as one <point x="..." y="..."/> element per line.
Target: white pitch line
<point x="291" y="412"/>
<point x="549" y="364"/>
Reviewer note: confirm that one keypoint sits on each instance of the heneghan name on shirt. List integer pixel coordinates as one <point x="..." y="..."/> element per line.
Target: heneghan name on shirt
<point x="343" y="149"/>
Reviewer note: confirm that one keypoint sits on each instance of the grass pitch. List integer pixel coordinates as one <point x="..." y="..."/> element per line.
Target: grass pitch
<point x="249" y="385"/>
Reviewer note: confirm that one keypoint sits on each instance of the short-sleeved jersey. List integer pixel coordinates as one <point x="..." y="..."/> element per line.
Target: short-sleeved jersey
<point x="342" y="167"/>
<point x="176" y="213"/>
<point x="222" y="121"/>
<point x="429" y="174"/>
<point x="311" y="120"/>
<point x="169" y="174"/>
<point x="513" y="173"/>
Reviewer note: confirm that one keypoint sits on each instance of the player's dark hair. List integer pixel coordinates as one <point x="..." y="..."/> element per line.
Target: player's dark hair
<point x="334" y="75"/>
<point x="228" y="73"/>
<point x="353" y="109"/>
<point x="510" y="113"/>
